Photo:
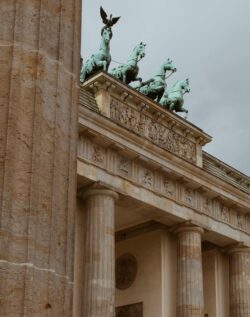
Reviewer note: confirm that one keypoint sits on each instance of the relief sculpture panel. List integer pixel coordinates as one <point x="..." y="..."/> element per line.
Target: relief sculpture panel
<point x="162" y="183"/>
<point x="158" y="133"/>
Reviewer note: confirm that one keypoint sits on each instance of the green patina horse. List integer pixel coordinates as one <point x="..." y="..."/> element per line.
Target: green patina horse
<point x="173" y="100"/>
<point x="128" y="72"/>
<point x="154" y="87"/>
<point x="99" y="61"/>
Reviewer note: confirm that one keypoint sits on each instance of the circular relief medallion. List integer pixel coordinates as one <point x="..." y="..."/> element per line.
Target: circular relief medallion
<point x="125" y="271"/>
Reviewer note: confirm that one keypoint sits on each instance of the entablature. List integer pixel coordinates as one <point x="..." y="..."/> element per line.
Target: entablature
<point x="139" y="160"/>
<point x="144" y="117"/>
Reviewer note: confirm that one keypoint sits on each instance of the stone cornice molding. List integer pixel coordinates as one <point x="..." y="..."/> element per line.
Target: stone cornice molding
<point x="99" y="127"/>
<point x="136" y="112"/>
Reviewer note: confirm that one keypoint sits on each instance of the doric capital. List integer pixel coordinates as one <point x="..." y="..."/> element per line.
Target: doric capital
<point x="237" y="248"/>
<point x="187" y="227"/>
<point x="97" y="191"/>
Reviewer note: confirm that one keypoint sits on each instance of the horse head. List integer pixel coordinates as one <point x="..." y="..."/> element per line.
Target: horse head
<point x="106" y="34"/>
<point x="185" y="85"/>
<point x="168" y="65"/>
<point x="140" y="50"/>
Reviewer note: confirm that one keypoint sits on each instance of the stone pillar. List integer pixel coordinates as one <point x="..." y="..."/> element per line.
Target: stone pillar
<point x="39" y="76"/>
<point x="99" y="255"/>
<point x="190" y="302"/>
<point x="239" y="281"/>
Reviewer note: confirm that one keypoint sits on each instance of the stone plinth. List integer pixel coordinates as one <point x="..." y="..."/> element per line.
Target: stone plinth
<point x="190" y="301"/>
<point x="39" y="57"/>
<point x="239" y="281"/>
<point x="99" y="257"/>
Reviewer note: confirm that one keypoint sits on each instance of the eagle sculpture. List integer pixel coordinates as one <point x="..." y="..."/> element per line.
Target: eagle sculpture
<point x="109" y="22"/>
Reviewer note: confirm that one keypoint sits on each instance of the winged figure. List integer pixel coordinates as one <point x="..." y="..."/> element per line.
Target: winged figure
<point x="109" y="22"/>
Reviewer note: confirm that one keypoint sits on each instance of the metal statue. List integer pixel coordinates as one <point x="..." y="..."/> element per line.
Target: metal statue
<point x="101" y="60"/>
<point x="128" y="72"/>
<point x="154" y="87"/>
<point x="173" y="100"/>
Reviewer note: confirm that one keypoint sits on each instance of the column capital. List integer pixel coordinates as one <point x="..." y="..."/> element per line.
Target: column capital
<point x="94" y="191"/>
<point x="187" y="227"/>
<point x="237" y="248"/>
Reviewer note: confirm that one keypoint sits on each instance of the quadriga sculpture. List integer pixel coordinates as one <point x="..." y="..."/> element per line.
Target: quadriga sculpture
<point x="173" y="100"/>
<point x="128" y="72"/>
<point x="101" y="60"/>
<point x="154" y="87"/>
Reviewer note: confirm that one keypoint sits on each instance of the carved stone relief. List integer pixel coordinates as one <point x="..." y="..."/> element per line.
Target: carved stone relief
<point x="147" y="178"/>
<point x="161" y="183"/>
<point x="98" y="155"/>
<point x="124" y="166"/>
<point x="189" y="196"/>
<point x="169" y="186"/>
<point x="152" y="130"/>
<point x="208" y="205"/>
<point x="224" y="213"/>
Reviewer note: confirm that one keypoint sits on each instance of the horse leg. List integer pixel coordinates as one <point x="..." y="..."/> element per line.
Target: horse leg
<point x="83" y="75"/>
<point x="159" y="96"/>
<point x="172" y="106"/>
<point x="124" y="77"/>
<point x="137" y="79"/>
<point x="184" y="110"/>
<point x="102" y="64"/>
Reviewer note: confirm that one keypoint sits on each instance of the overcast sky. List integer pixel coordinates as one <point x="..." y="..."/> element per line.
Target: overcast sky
<point x="209" y="42"/>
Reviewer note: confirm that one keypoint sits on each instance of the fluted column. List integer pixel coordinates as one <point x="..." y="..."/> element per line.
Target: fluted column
<point x="239" y="281"/>
<point x="190" y="301"/>
<point x="39" y="84"/>
<point x="99" y="257"/>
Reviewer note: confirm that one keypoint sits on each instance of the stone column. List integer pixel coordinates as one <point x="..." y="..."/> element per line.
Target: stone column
<point x="239" y="281"/>
<point x="39" y="76"/>
<point x="190" y="302"/>
<point x="99" y="257"/>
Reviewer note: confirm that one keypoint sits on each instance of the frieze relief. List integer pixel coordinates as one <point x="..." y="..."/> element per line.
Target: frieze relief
<point x="156" y="132"/>
<point x="161" y="183"/>
<point x="98" y="155"/>
<point x="208" y="205"/>
<point x="124" y="166"/>
<point x="169" y="187"/>
<point x="147" y="178"/>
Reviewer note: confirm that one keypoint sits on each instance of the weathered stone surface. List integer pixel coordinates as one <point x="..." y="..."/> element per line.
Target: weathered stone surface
<point x="39" y="57"/>
<point x="239" y="281"/>
<point x="99" y="255"/>
<point x="190" y="302"/>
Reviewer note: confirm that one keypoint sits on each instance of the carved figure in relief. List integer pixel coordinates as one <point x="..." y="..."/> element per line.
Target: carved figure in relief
<point x="224" y="213"/>
<point x="154" y="131"/>
<point x="169" y="186"/>
<point x="173" y="100"/>
<point x="208" y="205"/>
<point x="98" y="156"/>
<point x="124" y="166"/>
<point x="189" y="195"/>
<point x="100" y="60"/>
<point x="148" y="179"/>
<point x="128" y="72"/>
<point x="154" y="87"/>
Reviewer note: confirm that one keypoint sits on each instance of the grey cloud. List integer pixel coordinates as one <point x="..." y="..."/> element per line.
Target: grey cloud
<point x="209" y="43"/>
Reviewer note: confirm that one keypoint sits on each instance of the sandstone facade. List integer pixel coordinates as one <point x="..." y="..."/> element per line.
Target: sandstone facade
<point x="145" y="189"/>
<point x="39" y="91"/>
